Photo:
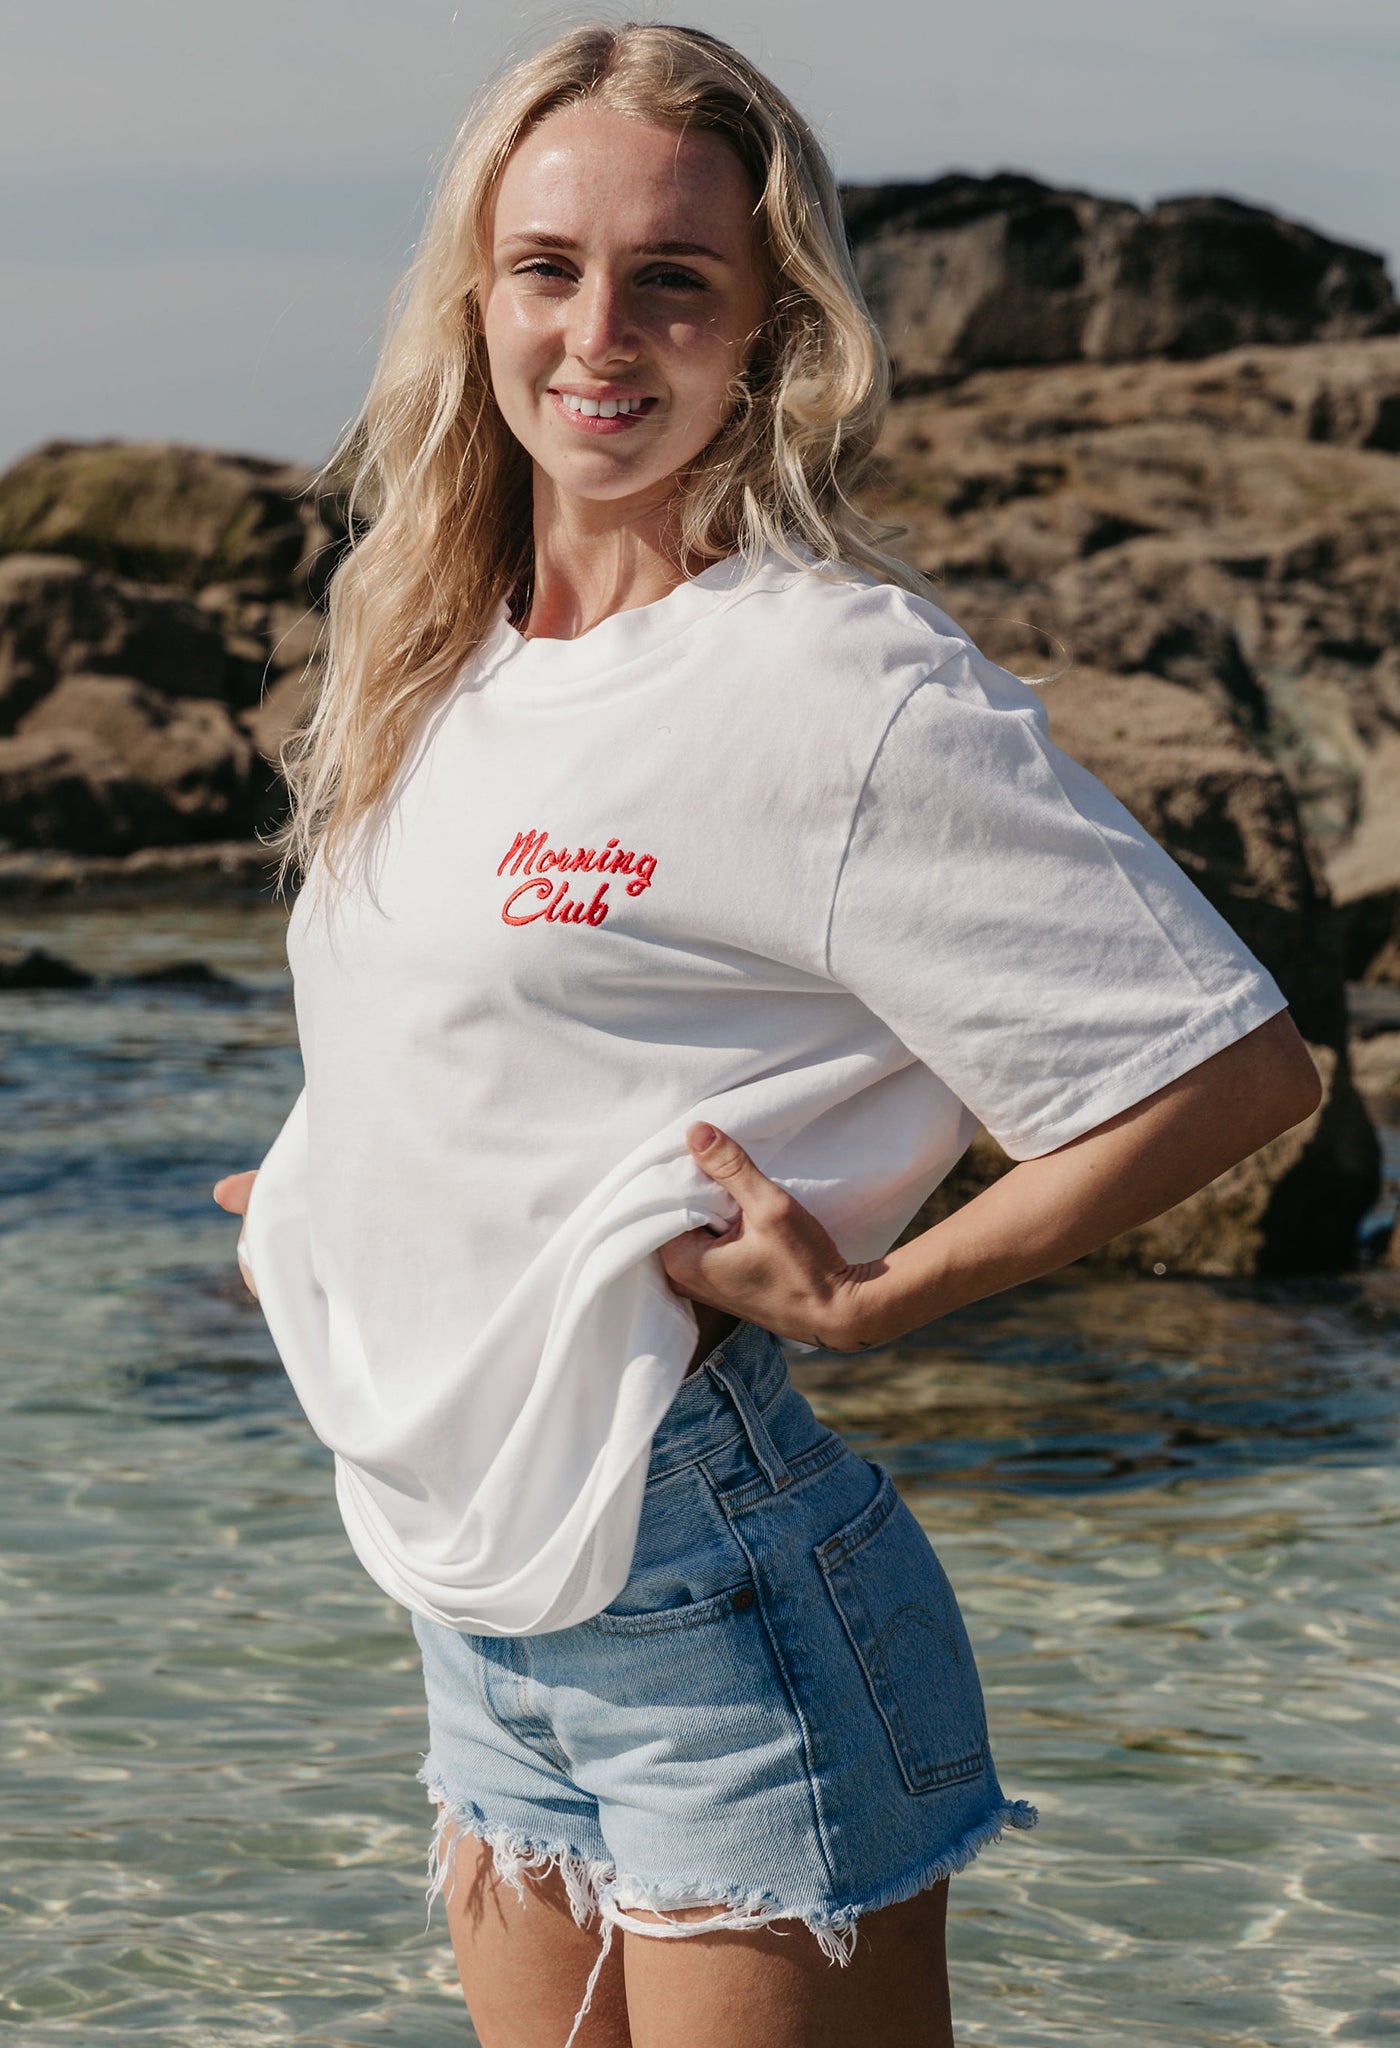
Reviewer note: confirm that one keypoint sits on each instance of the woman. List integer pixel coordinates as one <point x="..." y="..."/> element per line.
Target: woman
<point x="682" y="887"/>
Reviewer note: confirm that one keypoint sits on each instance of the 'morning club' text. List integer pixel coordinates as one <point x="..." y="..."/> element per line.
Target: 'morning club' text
<point x="547" y="889"/>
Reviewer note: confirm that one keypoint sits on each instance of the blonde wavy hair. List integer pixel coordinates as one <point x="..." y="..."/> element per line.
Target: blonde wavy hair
<point x="439" y="501"/>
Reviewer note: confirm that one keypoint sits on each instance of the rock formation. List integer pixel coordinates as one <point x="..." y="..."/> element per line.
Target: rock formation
<point x="1232" y="525"/>
<point x="966" y="273"/>
<point x="159" y="512"/>
<point x="159" y="617"/>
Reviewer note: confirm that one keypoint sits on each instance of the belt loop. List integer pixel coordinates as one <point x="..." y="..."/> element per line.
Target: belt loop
<point x="761" y="1444"/>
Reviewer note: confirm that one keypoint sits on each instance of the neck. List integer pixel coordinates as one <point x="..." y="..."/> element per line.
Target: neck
<point x="592" y="560"/>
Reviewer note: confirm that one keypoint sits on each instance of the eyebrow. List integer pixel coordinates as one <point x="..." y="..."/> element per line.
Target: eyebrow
<point x="542" y="240"/>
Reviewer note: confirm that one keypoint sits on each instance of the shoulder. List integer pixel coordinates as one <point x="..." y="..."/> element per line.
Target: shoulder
<point x="839" y="630"/>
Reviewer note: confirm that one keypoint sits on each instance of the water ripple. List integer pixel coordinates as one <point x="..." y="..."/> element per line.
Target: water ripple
<point x="1171" y="1510"/>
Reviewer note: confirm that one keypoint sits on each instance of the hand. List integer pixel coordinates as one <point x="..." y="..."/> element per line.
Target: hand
<point x="232" y="1193"/>
<point x="775" y="1265"/>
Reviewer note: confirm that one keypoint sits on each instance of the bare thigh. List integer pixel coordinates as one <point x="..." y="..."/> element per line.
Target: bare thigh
<point x="773" y="1987"/>
<point x="524" y="1968"/>
<point x="525" y="1964"/>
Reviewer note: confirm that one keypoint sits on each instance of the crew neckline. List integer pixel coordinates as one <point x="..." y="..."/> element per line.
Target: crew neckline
<point x="549" y="670"/>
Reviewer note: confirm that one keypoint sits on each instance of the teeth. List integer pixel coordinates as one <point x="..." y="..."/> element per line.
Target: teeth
<point x="601" y="408"/>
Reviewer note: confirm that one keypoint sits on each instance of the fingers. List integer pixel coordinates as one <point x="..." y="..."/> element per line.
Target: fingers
<point x="726" y="1161"/>
<point x="232" y="1191"/>
<point x="682" y="1258"/>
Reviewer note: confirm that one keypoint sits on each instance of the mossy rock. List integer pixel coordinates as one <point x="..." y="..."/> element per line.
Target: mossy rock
<point x="166" y="513"/>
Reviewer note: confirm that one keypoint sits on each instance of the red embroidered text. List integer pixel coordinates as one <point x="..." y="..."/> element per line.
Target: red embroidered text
<point x="545" y="892"/>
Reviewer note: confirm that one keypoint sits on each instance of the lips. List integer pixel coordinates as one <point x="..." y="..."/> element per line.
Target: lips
<point x="614" y="413"/>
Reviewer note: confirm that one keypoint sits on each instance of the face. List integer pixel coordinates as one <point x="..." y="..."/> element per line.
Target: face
<point x="625" y="294"/>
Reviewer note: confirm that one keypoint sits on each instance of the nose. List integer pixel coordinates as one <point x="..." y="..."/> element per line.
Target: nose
<point x="601" y="329"/>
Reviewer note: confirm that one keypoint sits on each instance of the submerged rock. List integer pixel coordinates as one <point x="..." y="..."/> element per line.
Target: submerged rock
<point x="33" y="968"/>
<point x="26" y="967"/>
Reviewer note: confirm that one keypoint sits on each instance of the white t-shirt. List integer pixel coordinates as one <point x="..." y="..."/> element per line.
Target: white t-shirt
<point x="784" y="852"/>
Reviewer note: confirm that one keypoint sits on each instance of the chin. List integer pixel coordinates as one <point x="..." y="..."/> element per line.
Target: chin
<point x="603" y="482"/>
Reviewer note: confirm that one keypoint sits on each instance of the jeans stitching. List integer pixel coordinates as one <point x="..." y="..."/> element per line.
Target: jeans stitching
<point x="810" y="1465"/>
<point x="739" y="1435"/>
<point x="533" y="1730"/>
<point x="809" y="1770"/>
<point x="661" y="1620"/>
<point x="918" y="1774"/>
<point x="766" y="1454"/>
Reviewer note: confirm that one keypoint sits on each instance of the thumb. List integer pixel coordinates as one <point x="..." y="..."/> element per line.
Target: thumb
<point x="726" y="1161"/>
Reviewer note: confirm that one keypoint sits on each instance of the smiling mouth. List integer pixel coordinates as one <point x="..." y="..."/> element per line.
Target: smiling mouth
<point x="602" y="415"/>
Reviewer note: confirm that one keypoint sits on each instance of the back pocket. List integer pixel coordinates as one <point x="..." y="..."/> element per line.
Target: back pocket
<point x="901" y="1615"/>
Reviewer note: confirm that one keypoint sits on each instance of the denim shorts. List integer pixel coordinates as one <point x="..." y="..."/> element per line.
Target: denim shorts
<point x="779" y="1716"/>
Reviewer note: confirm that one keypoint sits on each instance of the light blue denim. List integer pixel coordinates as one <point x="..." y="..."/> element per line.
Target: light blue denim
<point x="779" y="1715"/>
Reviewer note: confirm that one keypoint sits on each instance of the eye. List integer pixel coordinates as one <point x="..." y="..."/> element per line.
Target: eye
<point x="543" y="267"/>
<point x="673" y="280"/>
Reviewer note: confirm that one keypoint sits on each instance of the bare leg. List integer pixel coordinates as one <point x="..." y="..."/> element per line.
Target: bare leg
<point x="773" y="1988"/>
<point x="524" y="1967"/>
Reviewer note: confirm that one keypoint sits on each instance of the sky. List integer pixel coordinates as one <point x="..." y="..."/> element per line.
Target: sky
<point x="205" y="209"/>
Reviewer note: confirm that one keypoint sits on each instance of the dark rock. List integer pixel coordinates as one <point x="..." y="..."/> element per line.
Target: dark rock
<point x="68" y="789"/>
<point x="59" y="618"/>
<point x="1197" y="275"/>
<point x="30" y="967"/>
<point x="1151" y="604"/>
<point x="192" y="974"/>
<point x="1178" y="518"/>
<point x="966" y="272"/>
<point x="1370" y="937"/>
<point x="1330" y="1179"/>
<point x="197" y="765"/>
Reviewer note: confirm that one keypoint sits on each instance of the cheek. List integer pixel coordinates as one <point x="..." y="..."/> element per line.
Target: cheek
<point x="517" y="338"/>
<point x="702" y="358"/>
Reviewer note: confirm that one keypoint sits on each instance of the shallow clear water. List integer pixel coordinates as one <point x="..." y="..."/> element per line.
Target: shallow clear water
<point x="1171" y="1510"/>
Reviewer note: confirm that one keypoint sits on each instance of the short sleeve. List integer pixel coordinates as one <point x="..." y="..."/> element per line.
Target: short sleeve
<point x="1015" y="927"/>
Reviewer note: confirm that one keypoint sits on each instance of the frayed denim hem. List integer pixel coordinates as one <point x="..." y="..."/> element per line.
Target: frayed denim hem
<point x="594" y="1889"/>
<point x="836" y="1932"/>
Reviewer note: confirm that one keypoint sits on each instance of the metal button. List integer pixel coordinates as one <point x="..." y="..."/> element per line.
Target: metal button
<point x="744" y="1599"/>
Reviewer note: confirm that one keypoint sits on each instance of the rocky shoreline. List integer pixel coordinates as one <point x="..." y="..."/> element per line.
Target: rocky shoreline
<point x="1150" y="456"/>
<point x="218" y="869"/>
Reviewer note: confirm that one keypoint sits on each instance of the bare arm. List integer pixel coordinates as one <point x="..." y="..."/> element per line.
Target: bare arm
<point x="778" y="1267"/>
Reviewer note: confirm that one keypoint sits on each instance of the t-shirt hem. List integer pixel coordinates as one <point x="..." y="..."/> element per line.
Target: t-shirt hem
<point x="1250" y="1003"/>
